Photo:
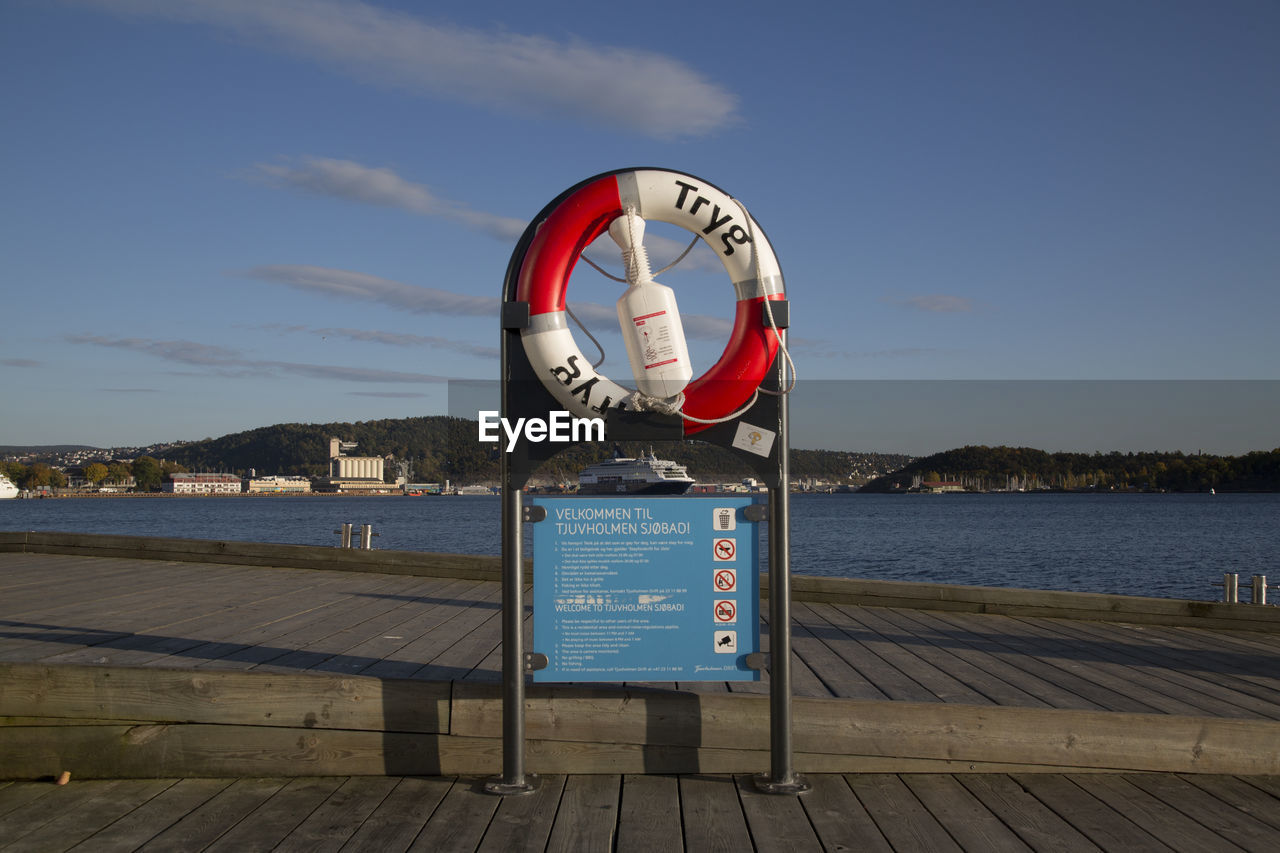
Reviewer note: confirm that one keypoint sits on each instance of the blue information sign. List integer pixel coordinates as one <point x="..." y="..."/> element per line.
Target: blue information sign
<point x="646" y="589"/>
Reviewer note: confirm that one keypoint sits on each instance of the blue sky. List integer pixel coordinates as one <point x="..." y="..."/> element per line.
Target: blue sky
<point x="223" y="215"/>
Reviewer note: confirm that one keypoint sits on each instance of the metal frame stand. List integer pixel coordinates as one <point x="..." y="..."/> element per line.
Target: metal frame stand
<point x="523" y="395"/>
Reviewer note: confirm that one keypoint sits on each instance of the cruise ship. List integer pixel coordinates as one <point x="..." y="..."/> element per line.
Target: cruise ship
<point x="646" y="475"/>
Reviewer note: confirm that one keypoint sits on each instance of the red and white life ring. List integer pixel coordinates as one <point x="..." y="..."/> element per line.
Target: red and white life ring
<point x="665" y="196"/>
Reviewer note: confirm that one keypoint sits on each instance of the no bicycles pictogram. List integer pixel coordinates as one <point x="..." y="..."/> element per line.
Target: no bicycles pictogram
<point x="725" y="550"/>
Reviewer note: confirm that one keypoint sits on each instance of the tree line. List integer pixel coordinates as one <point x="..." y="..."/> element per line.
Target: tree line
<point x="147" y="472"/>
<point x="982" y="468"/>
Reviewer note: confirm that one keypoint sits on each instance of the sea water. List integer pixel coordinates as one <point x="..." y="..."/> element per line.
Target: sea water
<point x="1172" y="546"/>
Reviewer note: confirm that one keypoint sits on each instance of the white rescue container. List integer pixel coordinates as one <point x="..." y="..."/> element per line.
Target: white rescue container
<point x="649" y="318"/>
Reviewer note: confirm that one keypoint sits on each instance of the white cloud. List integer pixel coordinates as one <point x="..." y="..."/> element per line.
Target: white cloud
<point x="225" y="362"/>
<point x="382" y="187"/>
<point x="631" y="90"/>
<point x="396" y="339"/>
<point x="361" y="287"/>
<point x="414" y="299"/>
<point x="352" y="181"/>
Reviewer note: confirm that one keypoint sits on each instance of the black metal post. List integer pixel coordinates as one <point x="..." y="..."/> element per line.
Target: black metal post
<point x="782" y="778"/>
<point x="513" y="779"/>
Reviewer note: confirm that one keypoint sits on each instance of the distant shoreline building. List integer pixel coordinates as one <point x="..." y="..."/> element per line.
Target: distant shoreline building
<point x="353" y="473"/>
<point x="278" y="485"/>
<point x="203" y="484"/>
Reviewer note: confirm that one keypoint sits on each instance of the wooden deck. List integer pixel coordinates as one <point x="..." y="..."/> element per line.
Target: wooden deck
<point x="241" y="705"/>
<point x="638" y="814"/>
<point x="129" y="668"/>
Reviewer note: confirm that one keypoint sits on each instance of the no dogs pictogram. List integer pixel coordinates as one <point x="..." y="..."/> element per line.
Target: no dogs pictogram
<point x="725" y="550"/>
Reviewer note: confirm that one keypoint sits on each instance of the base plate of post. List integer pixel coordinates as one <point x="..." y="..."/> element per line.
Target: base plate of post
<point x="796" y="784"/>
<point x="503" y="788"/>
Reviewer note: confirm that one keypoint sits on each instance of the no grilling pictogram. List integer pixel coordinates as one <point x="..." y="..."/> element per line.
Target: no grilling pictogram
<point x="726" y="612"/>
<point x="726" y="580"/>
<point x="725" y="550"/>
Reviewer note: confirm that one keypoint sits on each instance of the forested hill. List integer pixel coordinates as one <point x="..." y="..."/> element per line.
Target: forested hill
<point x="442" y="448"/>
<point x="983" y="468"/>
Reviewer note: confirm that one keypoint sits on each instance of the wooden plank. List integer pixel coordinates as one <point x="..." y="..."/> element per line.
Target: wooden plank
<point x="1033" y="822"/>
<point x="459" y="822"/>
<point x="1248" y="681"/>
<point x="449" y="623"/>
<point x="490" y="667"/>
<point x="1224" y="819"/>
<point x="464" y="655"/>
<point x="1269" y="784"/>
<point x="1033" y="602"/>
<point x="1049" y="603"/>
<point x="214" y="750"/>
<point x="644" y="818"/>
<point x="208" y="822"/>
<point x="101" y="582"/>
<point x="1107" y="663"/>
<point x="334" y="821"/>
<point x="1165" y="823"/>
<point x="227" y="698"/>
<point x="35" y="813"/>
<point x="267" y="555"/>
<point x="1242" y="795"/>
<point x="78" y="817"/>
<point x="958" y="733"/>
<point x="902" y="818"/>
<point x="200" y="600"/>
<point x="1003" y="683"/>
<point x="264" y="827"/>
<point x="140" y="825"/>
<point x="588" y="815"/>
<point x="1034" y="680"/>
<point x="1092" y="817"/>
<point x="965" y="819"/>
<point x="805" y="681"/>
<point x="840" y="819"/>
<point x="835" y="674"/>
<point x="18" y="796"/>
<point x="399" y="818"/>
<point x="415" y="620"/>
<point x="859" y="648"/>
<point x="1060" y="665"/>
<point x="991" y="688"/>
<point x="317" y="641"/>
<point x="282" y="632"/>
<point x="523" y="822"/>
<point x="939" y="683"/>
<point x="711" y="815"/>
<point x="776" y="821"/>
<point x="1125" y="645"/>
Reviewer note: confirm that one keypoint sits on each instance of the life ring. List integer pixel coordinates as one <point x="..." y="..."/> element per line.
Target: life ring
<point x="581" y="216"/>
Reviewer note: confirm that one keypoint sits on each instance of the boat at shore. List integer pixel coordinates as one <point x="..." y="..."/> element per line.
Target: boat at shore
<point x="644" y="475"/>
<point x="7" y="488"/>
